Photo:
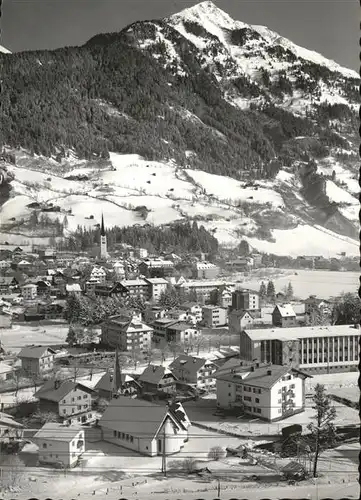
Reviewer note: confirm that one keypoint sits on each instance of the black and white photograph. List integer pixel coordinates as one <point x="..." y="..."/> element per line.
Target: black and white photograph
<point x="179" y="249"/>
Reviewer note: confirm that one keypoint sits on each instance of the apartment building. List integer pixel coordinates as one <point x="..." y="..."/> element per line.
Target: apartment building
<point x="247" y="300"/>
<point x="128" y="333"/>
<point x="203" y="289"/>
<point x="29" y="292"/>
<point x="157" y="286"/>
<point x="263" y="390"/>
<point x="205" y="270"/>
<point x="213" y="316"/>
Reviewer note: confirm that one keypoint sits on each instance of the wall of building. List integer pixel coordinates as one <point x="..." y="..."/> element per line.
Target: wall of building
<point x="71" y="403"/>
<point x="61" y="451"/>
<point x="276" y="395"/>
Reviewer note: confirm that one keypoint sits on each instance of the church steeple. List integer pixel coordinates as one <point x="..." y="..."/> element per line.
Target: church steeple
<point x="102" y="230"/>
<point x="103" y="241"/>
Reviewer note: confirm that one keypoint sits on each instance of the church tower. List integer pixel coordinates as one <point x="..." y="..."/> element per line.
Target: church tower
<point x="103" y="241"/>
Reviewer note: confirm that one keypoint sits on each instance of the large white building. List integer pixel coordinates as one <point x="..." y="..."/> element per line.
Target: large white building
<point x="270" y="392"/>
<point x="312" y="348"/>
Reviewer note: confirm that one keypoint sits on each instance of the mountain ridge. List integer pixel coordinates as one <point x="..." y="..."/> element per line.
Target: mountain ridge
<point x="221" y="100"/>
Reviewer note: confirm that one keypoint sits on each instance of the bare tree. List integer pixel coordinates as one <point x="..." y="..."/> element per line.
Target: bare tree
<point x="11" y="471"/>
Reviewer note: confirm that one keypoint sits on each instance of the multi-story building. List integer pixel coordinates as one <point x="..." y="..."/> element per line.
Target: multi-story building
<point x="128" y="333"/>
<point x="194" y="371"/>
<point x="284" y="316"/>
<point x="108" y="289"/>
<point x="156" y="268"/>
<point x="202" y="289"/>
<point x="157" y="286"/>
<point x="135" y="288"/>
<point x="37" y="360"/>
<point x="29" y="291"/>
<point x="213" y="316"/>
<point x="269" y="392"/>
<point x="246" y="300"/>
<point x="72" y="401"/>
<point x="312" y="348"/>
<point x="205" y="271"/>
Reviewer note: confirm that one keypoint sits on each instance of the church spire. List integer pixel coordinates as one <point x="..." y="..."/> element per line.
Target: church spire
<point x="102" y="229"/>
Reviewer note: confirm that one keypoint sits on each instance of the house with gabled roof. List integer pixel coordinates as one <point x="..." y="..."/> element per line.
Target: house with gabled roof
<point x="194" y="371"/>
<point x="59" y="445"/>
<point x="156" y="378"/>
<point x="145" y="427"/>
<point x="269" y="392"/>
<point x="69" y="399"/>
<point x="284" y="316"/>
<point x="37" y="360"/>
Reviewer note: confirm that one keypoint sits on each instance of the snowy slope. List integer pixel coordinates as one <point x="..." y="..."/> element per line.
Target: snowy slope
<point x="170" y="193"/>
<point x="4" y="50"/>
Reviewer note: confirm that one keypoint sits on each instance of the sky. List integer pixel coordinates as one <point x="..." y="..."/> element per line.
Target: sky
<point x="330" y="27"/>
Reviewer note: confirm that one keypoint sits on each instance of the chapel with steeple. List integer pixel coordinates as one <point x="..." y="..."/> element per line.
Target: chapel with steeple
<point x="103" y="241"/>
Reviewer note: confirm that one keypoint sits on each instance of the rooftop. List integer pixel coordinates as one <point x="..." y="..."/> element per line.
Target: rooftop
<point x="57" y="432"/>
<point x="136" y="417"/>
<point x="302" y="332"/>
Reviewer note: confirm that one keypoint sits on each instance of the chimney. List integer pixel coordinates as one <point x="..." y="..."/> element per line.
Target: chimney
<point x="269" y="372"/>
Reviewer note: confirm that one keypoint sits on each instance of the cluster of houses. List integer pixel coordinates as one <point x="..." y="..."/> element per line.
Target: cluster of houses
<point x="146" y="412"/>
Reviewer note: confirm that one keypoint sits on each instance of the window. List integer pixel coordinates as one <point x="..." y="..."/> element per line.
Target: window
<point x="229" y="394"/>
<point x="123" y="435"/>
<point x="131" y="439"/>
<point x="257" y="400"/>
<point x="259" y="410"/>
<point x="73" y="410"/>
<point x="45" y="445"/>
<point x="64" y="411"/>
<point x="85" y="396"/>
<point x="64" y="401"/>
<point x="79" y="397"/>
<point x="85" y="406"/>
<point x="279" y="401"/>
<point x="292" y="386"/>
<point x="127" y="437"/>
<point x="72" y="400"/>
<point x="119" y="435"/>
<point x="115" y="434"/>
<point x="279" y="411"/>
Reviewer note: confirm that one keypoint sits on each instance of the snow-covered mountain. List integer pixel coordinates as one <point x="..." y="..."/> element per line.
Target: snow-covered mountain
<point x="204" y="118"/>
<point x="4" y="50"/>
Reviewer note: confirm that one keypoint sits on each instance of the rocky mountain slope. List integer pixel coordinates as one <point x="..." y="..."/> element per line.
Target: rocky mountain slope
<point x="194" y="116"/>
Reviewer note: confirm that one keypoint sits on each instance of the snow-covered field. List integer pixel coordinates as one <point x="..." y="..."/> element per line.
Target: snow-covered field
<point x="306" y="240"/>
<point x="170" y="194"/>
<point x="18" y="336"/>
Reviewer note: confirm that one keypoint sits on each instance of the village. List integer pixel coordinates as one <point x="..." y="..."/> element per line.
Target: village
<point x="118" y="373"/>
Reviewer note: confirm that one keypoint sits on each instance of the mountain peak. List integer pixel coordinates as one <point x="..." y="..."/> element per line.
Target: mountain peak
<point x="205" y="13"/>
<point x="4" y="50"/>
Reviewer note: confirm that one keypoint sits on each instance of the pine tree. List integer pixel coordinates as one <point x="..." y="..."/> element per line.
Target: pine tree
<point x="323" y="431"/>
<point x="262" y="290"/>
<point x="271" y="291"/>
